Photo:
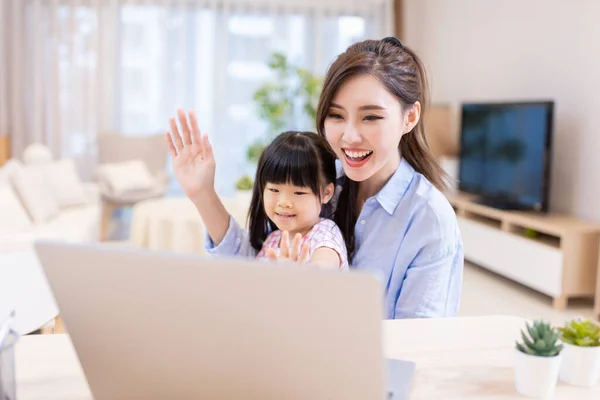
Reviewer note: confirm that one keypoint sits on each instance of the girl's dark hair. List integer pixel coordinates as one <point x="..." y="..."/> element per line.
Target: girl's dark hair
<point x="403" y="74"/>
<point x="299" y="158"/>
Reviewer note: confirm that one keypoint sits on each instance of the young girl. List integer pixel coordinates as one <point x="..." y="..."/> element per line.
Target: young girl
<point x="295" y="177"/>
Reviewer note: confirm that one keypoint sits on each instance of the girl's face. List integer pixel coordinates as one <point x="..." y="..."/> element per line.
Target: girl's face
<point x="364" y="125"/>
<point x="292" y="208"/>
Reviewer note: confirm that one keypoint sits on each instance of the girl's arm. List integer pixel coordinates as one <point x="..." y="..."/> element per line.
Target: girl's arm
<point x="213" y="214"/>
<point x="330" y="248"/>
<point x="235" y="242"/>
<point x="194" y="166"/>
<point x="326" y="256"/>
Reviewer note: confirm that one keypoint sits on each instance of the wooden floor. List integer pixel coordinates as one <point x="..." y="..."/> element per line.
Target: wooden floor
<point x="486" y="293"/>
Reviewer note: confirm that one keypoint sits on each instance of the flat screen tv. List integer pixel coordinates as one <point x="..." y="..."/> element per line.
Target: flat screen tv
<point x="505" y="153"/>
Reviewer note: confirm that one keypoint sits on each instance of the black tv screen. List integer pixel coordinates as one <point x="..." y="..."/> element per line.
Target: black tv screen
<point x="505" y="153"/>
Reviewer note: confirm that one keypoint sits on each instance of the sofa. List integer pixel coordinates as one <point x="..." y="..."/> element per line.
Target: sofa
<point x="131" y="170"/>
<point x="40" y="198"/>
<point x="46" y="201"/>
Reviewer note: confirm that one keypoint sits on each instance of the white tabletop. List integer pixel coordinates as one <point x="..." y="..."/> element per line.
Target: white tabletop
<point x="24" y="287"/>
<point x="457" y="358"/>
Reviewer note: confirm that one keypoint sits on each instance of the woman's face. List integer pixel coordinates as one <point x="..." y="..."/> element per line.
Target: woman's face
<point x="364" y="125"/>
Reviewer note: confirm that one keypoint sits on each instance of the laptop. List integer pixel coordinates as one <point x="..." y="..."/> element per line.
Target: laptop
<point x="158" y="325"/>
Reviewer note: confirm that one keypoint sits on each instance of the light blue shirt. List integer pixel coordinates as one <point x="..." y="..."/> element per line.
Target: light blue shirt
<point x="408" y="236"/>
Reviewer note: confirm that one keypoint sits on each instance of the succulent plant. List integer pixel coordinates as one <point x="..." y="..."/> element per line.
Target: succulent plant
<point x="541" y="340"/>
<point x="581" y="332"/>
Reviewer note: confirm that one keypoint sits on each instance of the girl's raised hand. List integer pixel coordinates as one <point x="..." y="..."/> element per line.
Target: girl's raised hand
<point x="193" y="161"/>
<point x="293" y="253"/>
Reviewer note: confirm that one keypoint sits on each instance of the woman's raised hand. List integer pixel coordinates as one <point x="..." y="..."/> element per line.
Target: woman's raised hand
<point x="193" y="161"/>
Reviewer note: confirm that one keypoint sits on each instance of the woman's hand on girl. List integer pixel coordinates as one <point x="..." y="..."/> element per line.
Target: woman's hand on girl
<point x="294" y="253"/>
<point x="193" y="161"/>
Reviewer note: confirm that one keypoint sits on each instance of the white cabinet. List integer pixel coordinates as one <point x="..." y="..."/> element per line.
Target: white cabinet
<point x="555" y="254"/>
<point x="533" y="264"/>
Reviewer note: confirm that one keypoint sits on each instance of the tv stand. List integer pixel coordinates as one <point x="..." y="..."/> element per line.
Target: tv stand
<point x="555" y="254"/>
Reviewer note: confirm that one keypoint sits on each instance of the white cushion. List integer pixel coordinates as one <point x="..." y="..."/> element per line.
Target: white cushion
<point x="126" y="176"/>
<point x="8" y="170"/>
<point x="81" y="224"/>
<point x="91" y="190"/>
<point x="63" y="182"/>
<point x="13" y="216"/>
<point x="37" y="153"/>
<point x="34" y="193"/>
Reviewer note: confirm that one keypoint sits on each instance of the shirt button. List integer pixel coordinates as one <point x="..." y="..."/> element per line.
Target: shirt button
<point x="362" y="222"/>
<point x="373" y="200"/>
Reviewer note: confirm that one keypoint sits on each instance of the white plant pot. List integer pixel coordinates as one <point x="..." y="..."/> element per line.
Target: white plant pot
<point x="580" y="365"/>
<point x="536" y="376"/>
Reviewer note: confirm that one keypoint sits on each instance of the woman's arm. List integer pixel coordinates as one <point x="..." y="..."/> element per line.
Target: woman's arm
<point x="432" y="287"/>
<point x="432" y="283"/>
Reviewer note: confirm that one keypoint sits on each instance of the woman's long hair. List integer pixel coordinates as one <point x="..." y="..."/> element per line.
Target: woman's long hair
<point x="403" y="74"/>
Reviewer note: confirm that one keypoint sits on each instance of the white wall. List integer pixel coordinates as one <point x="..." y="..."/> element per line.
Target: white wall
<point x="523" y="49"/>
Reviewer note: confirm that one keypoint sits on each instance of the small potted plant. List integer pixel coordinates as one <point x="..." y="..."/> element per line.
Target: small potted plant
<point x="580" y="364"/>
<point x="538" y="360"/>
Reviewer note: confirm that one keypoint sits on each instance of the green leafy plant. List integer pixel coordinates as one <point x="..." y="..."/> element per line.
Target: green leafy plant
<point x="541" y="339"/>
<point x="309" y="91"/>
<point x="255" y="150"/>
<point x="581" y="332"/>
<point x="244" y="183"/>
<point x="277" y="99"/>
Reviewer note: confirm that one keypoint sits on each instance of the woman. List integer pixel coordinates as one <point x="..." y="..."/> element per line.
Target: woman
<point x="405" y="231"/>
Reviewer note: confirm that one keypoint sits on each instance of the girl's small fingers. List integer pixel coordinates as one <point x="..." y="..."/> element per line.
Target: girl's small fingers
<point x="272" y="254"/>
<point x="185" y="127"/>
<point x="175" y="134"/>
<point x="284" y="245"/>
<point x="295" y="250"/>
<point x="207" y="152"/>
<point x="196" y="134"/>
<point x="172" y="149"/>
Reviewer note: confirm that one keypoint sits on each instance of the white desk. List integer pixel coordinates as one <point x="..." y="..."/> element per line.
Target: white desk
<point x="23" y="286"/>
<point x="458" y="358"/>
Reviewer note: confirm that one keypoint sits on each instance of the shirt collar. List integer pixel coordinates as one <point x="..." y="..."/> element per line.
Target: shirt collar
<point x="390" y="195"/>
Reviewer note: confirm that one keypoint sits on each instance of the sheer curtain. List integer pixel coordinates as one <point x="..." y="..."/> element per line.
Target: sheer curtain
<point x="57" y="75"/>
<point x="77" y="68"/>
